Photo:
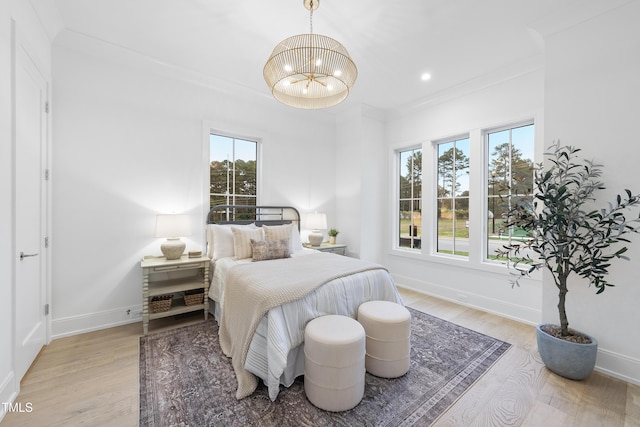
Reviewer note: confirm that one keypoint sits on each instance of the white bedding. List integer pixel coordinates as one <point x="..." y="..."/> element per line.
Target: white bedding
<point x="275" y="354"/>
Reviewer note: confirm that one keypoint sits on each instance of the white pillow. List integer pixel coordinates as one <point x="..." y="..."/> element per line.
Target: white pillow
<point x="242" y="240"/>
<point x="296" y="240"/>
<point x="209" y="233"/>
<point x="281" y="232"/>
<point x="220" y="240"/>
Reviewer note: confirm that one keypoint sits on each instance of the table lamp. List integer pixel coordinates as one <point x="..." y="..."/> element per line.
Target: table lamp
<point x="316" y="221"/>
<point x="173" y="227"/>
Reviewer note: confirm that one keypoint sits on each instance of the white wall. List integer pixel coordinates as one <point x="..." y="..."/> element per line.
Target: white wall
<point x="28" y="26"/>
<point x="129" y="144"/>
<point x="475" y="283"/>
<point x="8" y="384"/>
<point x="361" y="190"/>
<point x="591" y="101"/>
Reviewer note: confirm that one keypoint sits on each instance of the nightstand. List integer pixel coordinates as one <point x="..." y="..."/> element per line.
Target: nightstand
<point x="336" y="248"/>
<point x="173" y="277"/>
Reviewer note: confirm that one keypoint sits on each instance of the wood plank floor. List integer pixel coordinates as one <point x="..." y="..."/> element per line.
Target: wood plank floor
<point x="92" y="379"/>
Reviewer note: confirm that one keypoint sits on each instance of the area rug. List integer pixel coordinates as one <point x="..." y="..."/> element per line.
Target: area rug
<point x="185" y="380"/>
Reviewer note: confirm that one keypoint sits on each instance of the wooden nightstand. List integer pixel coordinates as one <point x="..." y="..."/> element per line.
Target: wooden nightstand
<point x="336" y="248"/>
<point x="165" y="277"/>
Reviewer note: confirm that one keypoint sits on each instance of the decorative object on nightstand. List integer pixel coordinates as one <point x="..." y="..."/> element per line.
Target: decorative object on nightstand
<point x="164" y="295"/>
<point x="173" y="227"/>
<point x="316" y="222"/>
<point x="333" y="233"/>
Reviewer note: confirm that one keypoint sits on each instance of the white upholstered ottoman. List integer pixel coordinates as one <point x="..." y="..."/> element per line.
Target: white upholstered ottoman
<point x="388" y="329"/>
<point x="334" y="350"/>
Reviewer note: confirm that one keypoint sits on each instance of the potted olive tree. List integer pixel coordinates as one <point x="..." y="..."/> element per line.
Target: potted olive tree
<point x="568" y="236"/>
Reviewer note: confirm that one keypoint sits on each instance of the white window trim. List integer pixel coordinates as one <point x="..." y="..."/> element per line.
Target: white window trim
<point x="229" y="131"/>
<point x="485" y="150"/>
<point x="395" y="173"/>
<point x="478" y="197"/>
<point x="434" y="177"/>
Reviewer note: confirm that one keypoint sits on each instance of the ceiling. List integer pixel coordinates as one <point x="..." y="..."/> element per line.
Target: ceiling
<point x="393" y="43"/>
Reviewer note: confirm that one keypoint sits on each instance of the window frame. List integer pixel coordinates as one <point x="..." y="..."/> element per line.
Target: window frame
<point x="210" y="127"/>
<point x="397" y="153"/>
<point x="485" y="146"/>
<point x="233" y="194"/>
<point x="436" y="144"/>
<point x="478" y="190"/>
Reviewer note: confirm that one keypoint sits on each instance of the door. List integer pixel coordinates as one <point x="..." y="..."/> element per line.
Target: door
<point x="30" y="209"/>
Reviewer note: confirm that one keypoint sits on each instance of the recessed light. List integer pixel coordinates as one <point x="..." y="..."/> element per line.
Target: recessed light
<point x="426" y="76"/>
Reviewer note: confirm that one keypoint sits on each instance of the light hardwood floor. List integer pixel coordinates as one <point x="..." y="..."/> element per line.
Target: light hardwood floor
<point x="92" y="380"/>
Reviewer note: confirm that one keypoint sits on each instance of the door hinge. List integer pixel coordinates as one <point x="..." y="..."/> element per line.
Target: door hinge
<point x="46" y="242"/>
<point x="46" y="174"/>
<point x="46" y="107"/>
<point x="46" y="309"/>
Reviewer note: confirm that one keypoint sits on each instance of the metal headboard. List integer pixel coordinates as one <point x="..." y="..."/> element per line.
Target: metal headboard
<point x="260" y="215"/>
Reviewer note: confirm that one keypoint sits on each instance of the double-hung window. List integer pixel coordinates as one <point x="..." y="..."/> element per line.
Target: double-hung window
<point x="410" y="199"/>
<point x="233" y="171"/>
<point x="510" y="170"/>
<point x="453" y="197"/>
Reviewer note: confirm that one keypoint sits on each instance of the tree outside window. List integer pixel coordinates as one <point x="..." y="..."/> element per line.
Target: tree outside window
<point x="410" y="199"/>
<point x="233" y="171"/>
<point x="453" y="197"/>
<point x="509" y="177"/>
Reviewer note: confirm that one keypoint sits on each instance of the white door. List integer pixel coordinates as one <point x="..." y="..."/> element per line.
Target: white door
<point x="30" y="214"/>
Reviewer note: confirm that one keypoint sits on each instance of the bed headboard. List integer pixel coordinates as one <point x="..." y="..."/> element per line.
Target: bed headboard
<point x="260" y="215"/>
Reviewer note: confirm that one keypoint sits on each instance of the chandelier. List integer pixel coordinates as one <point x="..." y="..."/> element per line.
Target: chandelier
<point x="309" y="70"/>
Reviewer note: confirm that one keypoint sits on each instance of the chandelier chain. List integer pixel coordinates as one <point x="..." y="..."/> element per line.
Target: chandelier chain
<point x="311" y="18"/>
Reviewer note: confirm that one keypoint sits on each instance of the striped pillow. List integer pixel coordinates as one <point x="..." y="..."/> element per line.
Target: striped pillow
<point x="279" y="232"/>
<point x="242" y="241"/>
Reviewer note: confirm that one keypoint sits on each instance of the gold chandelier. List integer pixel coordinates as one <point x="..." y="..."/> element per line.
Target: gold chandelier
<point x="309" y="70"/>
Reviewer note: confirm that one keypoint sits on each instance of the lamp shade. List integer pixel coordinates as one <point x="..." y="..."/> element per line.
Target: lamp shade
<point x="171" y="225"/>
<point x="317" y="221"/>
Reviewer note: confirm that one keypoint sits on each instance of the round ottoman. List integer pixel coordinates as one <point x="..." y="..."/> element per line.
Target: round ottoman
<point x="388" y="329"/>
<point x="334" y="349"/>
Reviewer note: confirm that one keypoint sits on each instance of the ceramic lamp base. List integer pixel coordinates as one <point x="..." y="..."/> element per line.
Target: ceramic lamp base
<point x="315" y="238"/>
<point x="173" y="248"/>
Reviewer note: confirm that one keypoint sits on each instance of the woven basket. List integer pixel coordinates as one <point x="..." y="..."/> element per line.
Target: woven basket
<point x="161" y="303"/>
<point x="194" y="296"/>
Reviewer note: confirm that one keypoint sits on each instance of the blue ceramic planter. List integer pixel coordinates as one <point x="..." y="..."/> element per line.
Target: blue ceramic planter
<point x="570" y="360"/>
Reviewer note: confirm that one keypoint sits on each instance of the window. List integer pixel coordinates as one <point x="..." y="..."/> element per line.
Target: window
<point x="410" y="199"/>
<point x="453" y="197"/>
<point x="233" y="171"/>
<point x="510" y="170"/>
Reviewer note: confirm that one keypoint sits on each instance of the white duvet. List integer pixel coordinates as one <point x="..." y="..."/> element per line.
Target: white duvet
<point x="275" y="354"/>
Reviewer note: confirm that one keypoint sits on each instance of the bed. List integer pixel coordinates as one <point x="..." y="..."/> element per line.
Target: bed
<point x="263" y="298"/>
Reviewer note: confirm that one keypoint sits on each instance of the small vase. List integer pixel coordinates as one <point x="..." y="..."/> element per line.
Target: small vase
<point x="332" y="240"/>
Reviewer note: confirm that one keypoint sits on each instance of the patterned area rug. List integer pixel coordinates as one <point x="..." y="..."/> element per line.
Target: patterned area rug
<point x="185" y="380"/>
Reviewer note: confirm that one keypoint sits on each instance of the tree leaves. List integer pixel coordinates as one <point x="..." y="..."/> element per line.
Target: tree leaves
<point x="567" y="238"/>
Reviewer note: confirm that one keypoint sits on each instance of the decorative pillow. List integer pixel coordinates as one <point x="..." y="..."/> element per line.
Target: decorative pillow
<point x="270" y="249"/>
<point x="220" y="240"/>
<point x="242" y="240"/>
<point x="287" y="231"/>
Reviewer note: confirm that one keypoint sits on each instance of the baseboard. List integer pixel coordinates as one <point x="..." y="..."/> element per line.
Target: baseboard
<point x="618" y="366"/>
<point x="9" y="389"/>
<point x="500" y="308"/>
<point x="609" y="363"/>
<point x="74" y="325"/>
